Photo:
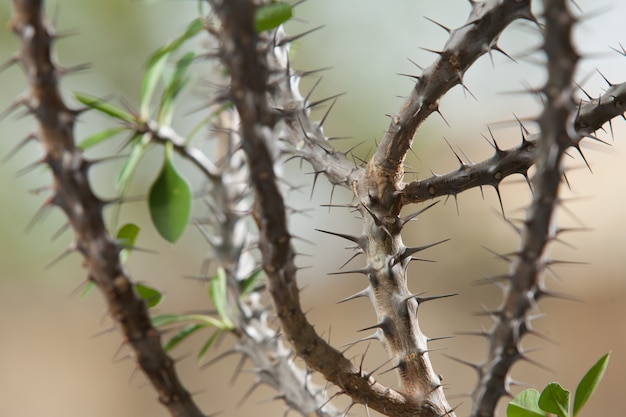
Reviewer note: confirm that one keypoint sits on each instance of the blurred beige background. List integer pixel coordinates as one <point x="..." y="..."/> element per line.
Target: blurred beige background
<point x="52" y="364"/>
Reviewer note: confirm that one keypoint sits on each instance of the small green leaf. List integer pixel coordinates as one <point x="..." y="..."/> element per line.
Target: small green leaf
<point x="217" y="292"/>
<point x="149" y="84"/>
<point x="205" y="347"/>
<point x="248" y="285"/>
<point x="151" y="296"/>
<point x="194" y="27"/>
<point x="139" y="144"/>
<point x="184" y="333"/>
<point x="165" y="319"/>
<point x="98" y="137"/>
<point x="130" y="165"/>
<point x="270" y="16"/>
<point x="173" y="87"/>
<point x="104" y="107"/>
<point x="126" y="237"/>
<point x="170" y="201"/>
<point x="555" y="399"/>
<point x="525" y="404"/>
<point x="590" y="382"/>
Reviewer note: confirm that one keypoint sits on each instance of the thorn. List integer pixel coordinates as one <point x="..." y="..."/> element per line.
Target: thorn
<point x="480" y="333"/>
<point x="447" y="29"/>
<point x="70" y="249"/>
<point x="365" y="270"/>
<point x="247" y="394"/>
<point x="421" y="300"/>
<point x="59" y="232"/>
<point x="493" y="280"/>
<point x="237" y="370"/>
<point x="373" y="336"/>
<point x="415" y="77"/>
<point x="308" y="96"/>
<point x="219" y="357"/>
<point x="435" y="339"/>
<point x="20" y="101"/>
<point x="408" y="218"/>
<point x="322" y="101"/>
<point x="505" y="258"/>
<point x="355" y="239"/>
<point x="432" y="50"/>
<point x="350" y="259"/>
<point x="30" y="167"/>
<point x="416" y="64"/>
<point x="44" y="209"/>
<point x="604" y="78"/>
<point x="289" y="39"/>
<point x="363" y="293"/>
<point x="30" y="137"/>
<point x="472" y="365"/>
<point x="496" y="47"/>
<point x="461" y="163"/>
<point x="375" y="326"/>
<point x="323" y="119"/>
<point x="408" y="251"/>
<point x="73" y="69"/>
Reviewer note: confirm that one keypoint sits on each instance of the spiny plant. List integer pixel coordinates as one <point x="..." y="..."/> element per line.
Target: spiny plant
<point x="259" y="119"/>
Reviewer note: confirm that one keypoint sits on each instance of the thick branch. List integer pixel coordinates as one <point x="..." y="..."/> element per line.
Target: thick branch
<point x="71" y="192"/>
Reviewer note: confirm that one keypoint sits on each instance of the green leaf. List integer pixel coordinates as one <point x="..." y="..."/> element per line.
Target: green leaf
<point x="130" y="165"/>
<point x="104" y="107"/>
<point x="151" y="296"/>
<point x="140" y="144"/>
<point x="170" y="201"/>
<point x="165" y="319"/>
<point x="149" y="84"/>
<point x="270" y="16"/>
<point x="555" y="399"/>
<point x="205" y="347"/>
<point x="184" y="333"/>
<point x="157" y="61"/>
<point x="126" y="237"/>
<point x="217" y="292"/>
<point x="194" y="27"/>
<point x="525" y="404"/>
<point x="98" y="137"/>
<point x="247" y="285"/>
<point x="590" y="382"/>
<point x="173" y="87"/>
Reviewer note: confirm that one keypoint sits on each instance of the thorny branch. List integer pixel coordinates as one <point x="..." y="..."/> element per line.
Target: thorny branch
<point x="248" y="91"/>
<point x="264" y="91"/>
<point x="72" y="193"/>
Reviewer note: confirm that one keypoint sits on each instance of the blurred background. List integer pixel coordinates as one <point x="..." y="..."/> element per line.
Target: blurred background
<point x="55" y="362"/>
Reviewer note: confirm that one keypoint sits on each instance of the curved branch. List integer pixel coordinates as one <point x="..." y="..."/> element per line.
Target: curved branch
<point x="72" y="193"/>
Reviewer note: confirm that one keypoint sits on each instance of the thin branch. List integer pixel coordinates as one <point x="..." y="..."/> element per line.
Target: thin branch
<point x="590" y="118"/>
